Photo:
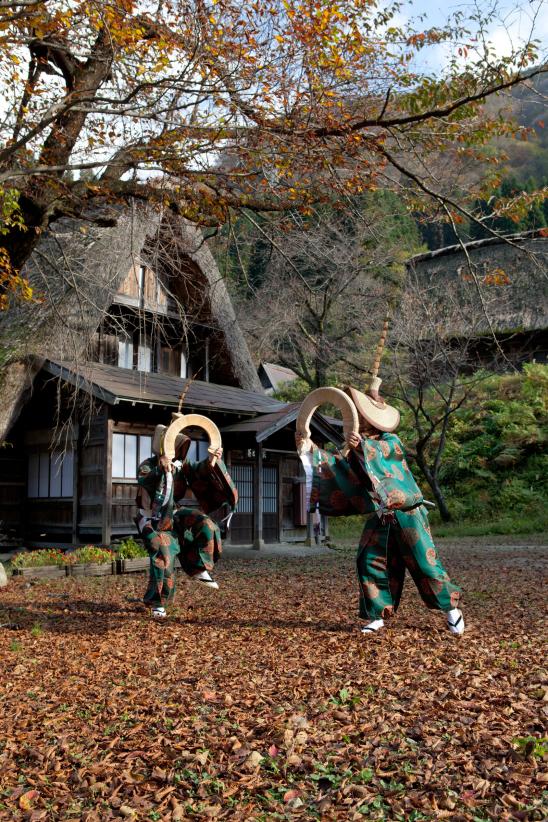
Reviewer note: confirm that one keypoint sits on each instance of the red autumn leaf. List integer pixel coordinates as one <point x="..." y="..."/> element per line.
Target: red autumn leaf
<point x="26" y="800"/>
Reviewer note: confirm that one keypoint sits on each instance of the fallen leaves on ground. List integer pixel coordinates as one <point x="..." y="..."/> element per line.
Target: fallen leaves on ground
<point x="262" y="701"/>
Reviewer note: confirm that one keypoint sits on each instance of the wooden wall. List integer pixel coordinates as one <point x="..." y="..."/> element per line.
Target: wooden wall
<point x="90" y="469"/>
<point x="13" y="481"/>
<point x="144" y="287"/>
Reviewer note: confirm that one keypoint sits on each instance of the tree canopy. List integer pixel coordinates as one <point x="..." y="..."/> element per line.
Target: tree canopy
<point x="202" y="106"/>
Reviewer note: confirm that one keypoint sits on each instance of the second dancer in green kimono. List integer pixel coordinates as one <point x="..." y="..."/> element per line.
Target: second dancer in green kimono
<point x="375" y="480"/>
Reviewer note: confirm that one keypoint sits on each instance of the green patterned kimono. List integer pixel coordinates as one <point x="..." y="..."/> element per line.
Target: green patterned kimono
<point x="392" y="540"/>
<point x="169" y="531"/>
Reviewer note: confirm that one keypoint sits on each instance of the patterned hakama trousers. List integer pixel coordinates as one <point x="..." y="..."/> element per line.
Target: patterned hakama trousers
<point x="386" y="550"/>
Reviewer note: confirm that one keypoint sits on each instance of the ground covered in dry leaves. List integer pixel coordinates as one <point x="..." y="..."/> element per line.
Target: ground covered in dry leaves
<point x="262" y="701"/>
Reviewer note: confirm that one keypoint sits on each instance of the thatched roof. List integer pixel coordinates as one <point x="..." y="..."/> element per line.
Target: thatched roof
<point x="198" y="284"/>
<point x="76" y="270"/>
<point x="273" y="375"/>
<point x="511" y="274"/>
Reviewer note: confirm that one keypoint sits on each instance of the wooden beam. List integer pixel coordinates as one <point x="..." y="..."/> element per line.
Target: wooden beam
<point x="107" y="485"/>
<point x="258" y="541"/>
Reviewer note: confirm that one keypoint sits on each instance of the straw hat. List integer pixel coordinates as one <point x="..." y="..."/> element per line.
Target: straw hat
<point x="157" y="440"/>
<point x="377" y="413"/>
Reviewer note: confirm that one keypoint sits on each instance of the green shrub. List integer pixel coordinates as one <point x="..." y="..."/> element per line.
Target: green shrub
<point x="88" y="554"/>
<point x="494" y="466"/>
<point x="129" y="549"/>
<point x="37" y="559"/>
<point x="494" y="472"/>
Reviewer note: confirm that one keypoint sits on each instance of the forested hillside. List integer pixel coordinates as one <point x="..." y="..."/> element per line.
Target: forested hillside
<point x="495" y="465"/>
<point x="521" y="168"/>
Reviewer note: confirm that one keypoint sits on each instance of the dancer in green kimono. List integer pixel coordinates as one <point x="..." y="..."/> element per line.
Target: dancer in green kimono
<point x="168" y="529"/>
<point x="375" y="480"/>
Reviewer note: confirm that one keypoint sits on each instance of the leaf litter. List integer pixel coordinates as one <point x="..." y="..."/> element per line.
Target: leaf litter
<point x="263" y="701"/>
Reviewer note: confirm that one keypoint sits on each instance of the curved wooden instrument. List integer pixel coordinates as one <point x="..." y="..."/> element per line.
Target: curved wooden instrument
<point x="181" y="421"/>
<point x="319" y="397"/>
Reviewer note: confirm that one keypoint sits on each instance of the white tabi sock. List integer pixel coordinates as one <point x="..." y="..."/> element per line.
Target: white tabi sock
<point x="376" y="625"/>
<point x="204" y="575"/>
<point x="205" y="578"/>
<point x="455" y="621"/>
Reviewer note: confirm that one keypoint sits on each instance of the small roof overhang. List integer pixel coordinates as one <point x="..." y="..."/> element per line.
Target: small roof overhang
<point x="114" y="385"/>
<point x="265" y="425"/>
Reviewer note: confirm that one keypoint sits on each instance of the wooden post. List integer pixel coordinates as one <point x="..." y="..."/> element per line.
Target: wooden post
<point x="75" y="482"/>
<point x="227" y="457"/>
<point x="258" y="541"/>
<point x="107" y="485"/>
<point x="309" y="530"/>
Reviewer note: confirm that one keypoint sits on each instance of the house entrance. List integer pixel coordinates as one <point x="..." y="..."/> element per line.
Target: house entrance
<point x="270" y="503"/>
<point x="242" y="526"/>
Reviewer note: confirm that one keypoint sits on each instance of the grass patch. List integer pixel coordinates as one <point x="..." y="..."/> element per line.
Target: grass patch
<point x="504" y="525"/>
<point x="349" y="529"/>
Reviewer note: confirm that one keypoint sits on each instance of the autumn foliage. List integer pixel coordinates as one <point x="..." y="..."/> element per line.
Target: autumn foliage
<point x="206" y="106"/>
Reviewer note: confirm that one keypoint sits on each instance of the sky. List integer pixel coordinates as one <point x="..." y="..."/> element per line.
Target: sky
<point x="512" y="27"/>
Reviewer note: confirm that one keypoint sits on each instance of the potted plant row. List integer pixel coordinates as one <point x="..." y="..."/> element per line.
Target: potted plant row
<point x="131" y="556"/>
<point x="89" y="560"/>
<point x="51" y="563"/>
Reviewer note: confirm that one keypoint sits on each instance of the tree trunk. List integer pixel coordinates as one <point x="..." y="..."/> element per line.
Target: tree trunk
<point x="432" y="481"/>
<point x="15" y="385"/>
<point x="20" y="243"/>
<point x="320" y="364"/>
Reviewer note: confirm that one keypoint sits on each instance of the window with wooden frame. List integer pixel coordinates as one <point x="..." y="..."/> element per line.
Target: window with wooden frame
<point x="125" y="352"/>
<point x="50" y="474"/>
<point x="136" y="354"/>
<point x="198" y="451"/>
<point x="128" y="452"/>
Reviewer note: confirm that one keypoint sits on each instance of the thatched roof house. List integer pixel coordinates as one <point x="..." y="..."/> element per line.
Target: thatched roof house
<point x="77" y="272"/>
<point x="506" y="279"/>
<point x="132" y="316"/>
